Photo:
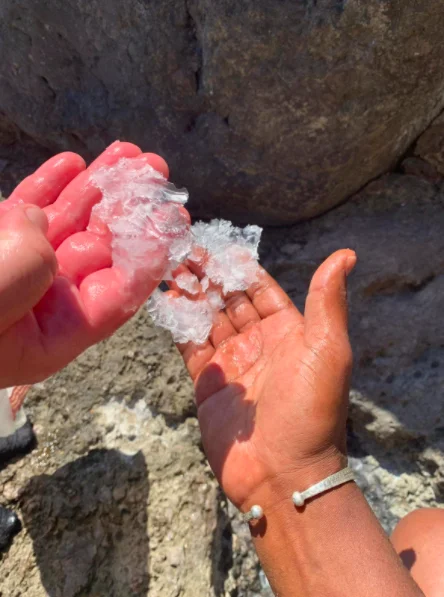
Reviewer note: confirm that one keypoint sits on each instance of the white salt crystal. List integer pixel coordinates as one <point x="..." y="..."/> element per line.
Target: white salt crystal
<point x="144" y="214"/>
<point x="189" y="282"/>
<point x="228" y="256"/>
<point x="231" y="253"/>
<point x="219" y="234"/>
<point x="216" y="301"/>
<point x="233" y="269"/>
<point x="187" y="320"/>
<point x="180" y="249"/>
<point x="142" y="211"/>
<point x="205" y="283"/>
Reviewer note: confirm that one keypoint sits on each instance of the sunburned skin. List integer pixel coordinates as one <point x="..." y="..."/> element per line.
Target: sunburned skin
<point x="89" y="296"/>
<point x="118" y="228"/>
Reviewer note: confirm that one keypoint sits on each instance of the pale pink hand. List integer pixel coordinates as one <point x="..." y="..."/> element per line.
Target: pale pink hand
<point x="55" y="319"/>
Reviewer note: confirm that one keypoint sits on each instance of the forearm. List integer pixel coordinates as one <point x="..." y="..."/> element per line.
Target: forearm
<point x="334" y="547"/>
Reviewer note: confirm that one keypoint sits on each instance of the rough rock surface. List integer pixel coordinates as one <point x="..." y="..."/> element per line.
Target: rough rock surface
<point x="117" y="498"/>
<point x="285" y="107"/>
<point x="430" y="146"/>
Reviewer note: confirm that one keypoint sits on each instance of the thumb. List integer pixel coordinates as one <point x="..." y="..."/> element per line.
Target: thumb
<point x="326" y="305"/>
<point x="27" y="262"/>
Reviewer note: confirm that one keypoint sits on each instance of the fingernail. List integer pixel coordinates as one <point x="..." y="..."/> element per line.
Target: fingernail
<point x="37" y="217"/>
<point x="350" y="263"/>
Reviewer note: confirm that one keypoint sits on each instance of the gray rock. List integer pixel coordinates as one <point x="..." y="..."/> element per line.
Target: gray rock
<point x="271" y="112"/>
<point x="430" y="145"/>
<point x="117" y="498"/>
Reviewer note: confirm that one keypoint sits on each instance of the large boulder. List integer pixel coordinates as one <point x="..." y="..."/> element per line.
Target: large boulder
<point x="267" y="111"/>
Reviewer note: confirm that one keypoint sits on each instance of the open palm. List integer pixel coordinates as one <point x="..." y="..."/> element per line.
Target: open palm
<point x="59" y="290"/>
<point x="272" y="385"/>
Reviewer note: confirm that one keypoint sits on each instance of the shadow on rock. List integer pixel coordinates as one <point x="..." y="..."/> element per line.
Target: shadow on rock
<point x="88" y="523"/>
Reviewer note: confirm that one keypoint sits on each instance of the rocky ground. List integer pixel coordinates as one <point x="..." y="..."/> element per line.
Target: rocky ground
<point x="117" y="499"/>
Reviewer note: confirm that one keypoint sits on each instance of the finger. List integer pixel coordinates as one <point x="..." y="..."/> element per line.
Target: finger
<point x="110" y="298"/>
<point x="17" y="398"/>
<point x="268" y="297"/>
<point x="158" y="163"/>
<point x="196" y="357"/>
<point x="82" y="254"/>
<point x="71" y="212"/>
<point x="241" y="311"/>
<point x="265" y="296"/>
<point x="27" y="263"/>
<point x="326" y="305"/>
<point x="222" y="329"/>
<point x="44" y="186"/>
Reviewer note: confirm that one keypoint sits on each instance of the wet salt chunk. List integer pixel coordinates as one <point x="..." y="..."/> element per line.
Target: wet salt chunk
<point x="180" y="248"/>
<point x="143" y="213"/>
<point x="133" y="178"/>
<point x="215" y="300"/>
<point x="188" y="282"/>
<point x="205" y="283"/>
<point x="187" y="320"/>
<point x="233" y="269"/>
<point x="231" y="253"/>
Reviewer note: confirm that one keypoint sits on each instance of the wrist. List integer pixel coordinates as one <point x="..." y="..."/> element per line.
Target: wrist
<point x="291" y="542"/>
<point x="279" y="488"/>
<point x="333" y="545"/>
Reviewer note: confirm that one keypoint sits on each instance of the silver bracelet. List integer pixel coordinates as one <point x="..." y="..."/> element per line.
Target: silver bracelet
<point x="299" y="497"/>
<point x="335" y="480"/>
<point x="255" y="513"/>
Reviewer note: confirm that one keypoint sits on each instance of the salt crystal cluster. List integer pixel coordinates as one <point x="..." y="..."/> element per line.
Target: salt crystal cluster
<point x="141" y="210"/>
<point x="231" y="253"/>
<point x="188" y="282"/>
<point x="143" y="213"/>
<point x="186" y="319"/>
